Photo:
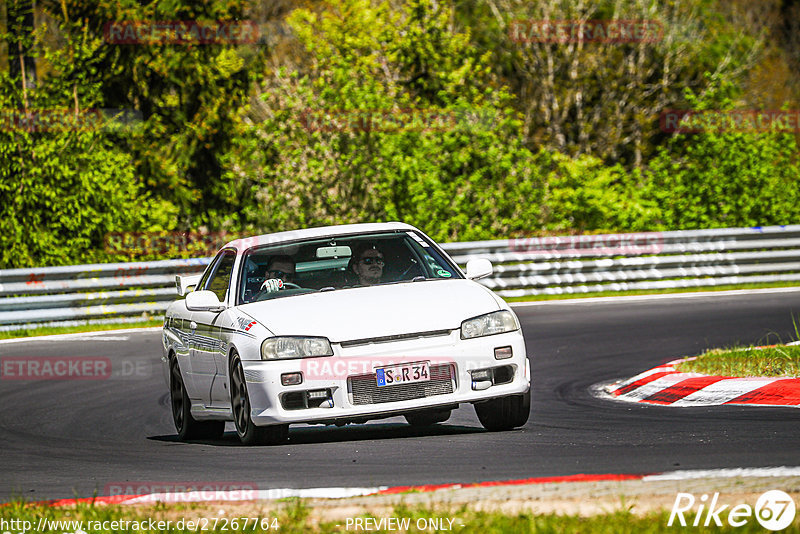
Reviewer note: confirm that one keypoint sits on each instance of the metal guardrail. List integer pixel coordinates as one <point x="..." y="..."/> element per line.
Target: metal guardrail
<point x="102" y="292"/>
<point x="531" y="266"/>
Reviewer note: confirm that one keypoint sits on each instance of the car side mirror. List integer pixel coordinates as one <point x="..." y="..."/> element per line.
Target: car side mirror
<point x="203" y="301"/>
<point x="479" y="268"/>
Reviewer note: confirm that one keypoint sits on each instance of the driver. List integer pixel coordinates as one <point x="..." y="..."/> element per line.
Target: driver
<point x="280" y="269"/>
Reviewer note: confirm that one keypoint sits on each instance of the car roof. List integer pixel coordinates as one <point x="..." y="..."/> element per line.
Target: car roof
<point x="245" y="243"/>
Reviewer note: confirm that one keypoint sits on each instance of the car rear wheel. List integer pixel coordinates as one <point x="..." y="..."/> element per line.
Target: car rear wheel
<point x="186" y="425"/>
<point x="427" y="418"/>
<point x="248" y="432"/>
<point x="504" y="413"/>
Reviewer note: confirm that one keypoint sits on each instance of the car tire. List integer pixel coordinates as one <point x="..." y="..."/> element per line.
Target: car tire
<point x="249" y="433"/>
<point x="186" y="425"/>
<point x="427" y="418"/>
<point x="504" y="413"/>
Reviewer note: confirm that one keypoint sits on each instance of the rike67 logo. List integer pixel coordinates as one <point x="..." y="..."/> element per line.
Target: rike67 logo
<point x="774" y="510"/>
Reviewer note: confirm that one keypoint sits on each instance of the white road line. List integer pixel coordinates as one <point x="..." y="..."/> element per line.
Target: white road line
<point x="726" y="473"/>
<point x="84" y="336"/>
<point x="345" y="492"/>
<point x="623" y="299"/>
<point x="261" y="495"/>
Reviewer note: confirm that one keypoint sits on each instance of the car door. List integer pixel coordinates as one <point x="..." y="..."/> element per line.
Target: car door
<point x="219" y="395"/>
<point x="206" y="339"/>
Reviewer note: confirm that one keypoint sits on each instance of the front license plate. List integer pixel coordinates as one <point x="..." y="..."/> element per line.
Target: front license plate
<point x="403" y="374"/>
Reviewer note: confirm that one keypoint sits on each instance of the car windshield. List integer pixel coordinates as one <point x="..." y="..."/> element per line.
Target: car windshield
<point x="341" y="262"/>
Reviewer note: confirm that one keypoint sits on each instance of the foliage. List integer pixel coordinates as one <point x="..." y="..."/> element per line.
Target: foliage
<point x="63" y="183"/>
<point x="186" y="94"/>
<point x="599" y="96"/>
<point x="395" y="119"/>
<point x="583" y="195"/>
<point x="426" y="111"/>
<point x="724" y="178"/>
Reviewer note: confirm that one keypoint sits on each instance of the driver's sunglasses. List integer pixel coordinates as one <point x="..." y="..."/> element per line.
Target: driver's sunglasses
<point x="280" y="274"/>
<point x="369" y="260"/>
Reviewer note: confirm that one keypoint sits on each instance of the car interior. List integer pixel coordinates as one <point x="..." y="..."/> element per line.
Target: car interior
<point x="327" y="264"/>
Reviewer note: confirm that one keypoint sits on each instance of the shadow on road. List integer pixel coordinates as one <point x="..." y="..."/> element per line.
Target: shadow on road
<point x="303" y="435"/>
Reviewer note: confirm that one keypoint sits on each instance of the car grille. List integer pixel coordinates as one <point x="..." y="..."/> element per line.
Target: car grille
<point x="394" y="338"/>
<point x="365" y="390"/>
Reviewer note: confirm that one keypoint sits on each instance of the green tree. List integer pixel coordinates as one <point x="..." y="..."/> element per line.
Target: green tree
<point x="64" y="184"/>
<point x="584" y="195"/>
<point x="396" y="117"/>
<point x="727" y="176"/>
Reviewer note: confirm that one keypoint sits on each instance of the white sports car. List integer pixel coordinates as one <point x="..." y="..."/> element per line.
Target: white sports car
<point x="340" y="325"/>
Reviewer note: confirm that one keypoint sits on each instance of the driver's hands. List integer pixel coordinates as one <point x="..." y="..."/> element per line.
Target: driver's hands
<point x="272" y="285"/>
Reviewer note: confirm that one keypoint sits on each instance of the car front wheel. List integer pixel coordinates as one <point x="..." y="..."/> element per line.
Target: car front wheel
<point x="186" y="425"/>
<point x="504" y="413"/>
<point x="248" y="432"/>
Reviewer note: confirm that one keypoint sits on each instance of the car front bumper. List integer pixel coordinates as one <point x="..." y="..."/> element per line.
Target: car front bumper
<point x="348" y="379"/>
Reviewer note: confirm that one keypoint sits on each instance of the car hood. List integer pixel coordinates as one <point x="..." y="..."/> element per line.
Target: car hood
<point x="367" y="312"/>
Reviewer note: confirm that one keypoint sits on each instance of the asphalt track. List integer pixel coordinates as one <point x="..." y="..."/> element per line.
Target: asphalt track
<point x="67" y="438"/>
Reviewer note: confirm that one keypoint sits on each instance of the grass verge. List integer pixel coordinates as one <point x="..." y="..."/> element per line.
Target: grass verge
<point x="779" y="361"/>
<point x="295" y="517"/>
<point x="649" y="292"/>
<point x="53" y="330"/>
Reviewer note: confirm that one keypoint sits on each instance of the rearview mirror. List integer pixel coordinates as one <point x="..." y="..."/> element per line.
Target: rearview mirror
<point x="334" y="252"/>
<point x="203" y="301"/>
<point x="479" y="268"/>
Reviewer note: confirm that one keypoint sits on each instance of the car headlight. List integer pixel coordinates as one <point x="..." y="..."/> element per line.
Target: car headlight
<point x="285" y="348"/>
<point x="486" y="325"/>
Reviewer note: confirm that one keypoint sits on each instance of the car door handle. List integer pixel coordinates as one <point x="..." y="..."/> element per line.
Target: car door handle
<point x="193" y="325"/>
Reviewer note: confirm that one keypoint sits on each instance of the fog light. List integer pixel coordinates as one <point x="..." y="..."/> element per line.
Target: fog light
<point x="503" y="353"/>
<point x="481" y="379"/>
<point x="291" y="379"/>
<point x="319" y="398"/>
<point x="481" y="375"/>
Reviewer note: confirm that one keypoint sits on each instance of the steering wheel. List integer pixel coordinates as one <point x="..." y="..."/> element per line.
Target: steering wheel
<point x="413" y="263"/>
<point x="262" y="293"/>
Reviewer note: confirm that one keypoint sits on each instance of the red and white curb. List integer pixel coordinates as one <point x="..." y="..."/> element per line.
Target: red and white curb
<point x="666" y="385"/>
<point x="345" y="492"/>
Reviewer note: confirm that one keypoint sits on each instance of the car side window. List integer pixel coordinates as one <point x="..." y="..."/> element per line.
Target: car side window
<point x="210" y="269"/>
<point x="221" y="277"/>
